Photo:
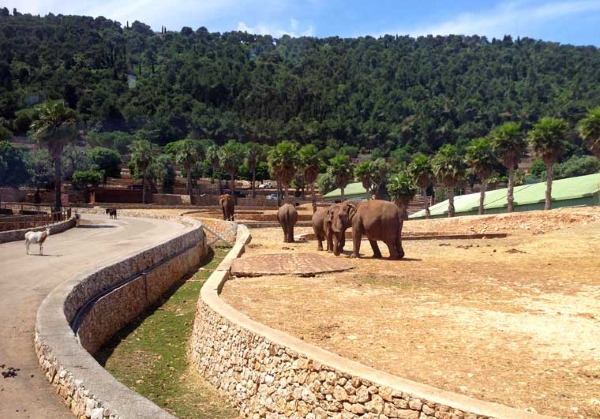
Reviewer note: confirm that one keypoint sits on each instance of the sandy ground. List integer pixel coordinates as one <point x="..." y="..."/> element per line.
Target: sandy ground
<point x="512" y="320"/>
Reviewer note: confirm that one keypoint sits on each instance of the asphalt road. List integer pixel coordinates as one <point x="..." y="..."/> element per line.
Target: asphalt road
<point x="25" y="280"/>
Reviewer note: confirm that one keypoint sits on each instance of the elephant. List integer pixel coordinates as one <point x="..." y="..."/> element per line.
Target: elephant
<point x="287" y="215"/>
<point x="377" y="219"/>
<point x="227" y="204"/>
<point x="321" y="224"/>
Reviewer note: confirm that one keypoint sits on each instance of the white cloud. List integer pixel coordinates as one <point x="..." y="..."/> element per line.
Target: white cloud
<point x="276" y="31"/>
<point x="512" y="17"/>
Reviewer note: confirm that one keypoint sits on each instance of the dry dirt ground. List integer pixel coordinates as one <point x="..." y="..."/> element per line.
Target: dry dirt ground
<point x="512" y="320"/>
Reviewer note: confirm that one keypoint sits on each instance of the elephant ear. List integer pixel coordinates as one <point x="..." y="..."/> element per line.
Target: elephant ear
<point x="351" y="210"/>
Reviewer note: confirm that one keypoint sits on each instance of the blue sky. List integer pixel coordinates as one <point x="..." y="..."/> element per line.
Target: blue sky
<point x="566" y="21"/>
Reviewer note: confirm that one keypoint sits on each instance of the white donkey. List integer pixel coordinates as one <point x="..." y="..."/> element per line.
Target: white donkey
<point x="36" y="237"/>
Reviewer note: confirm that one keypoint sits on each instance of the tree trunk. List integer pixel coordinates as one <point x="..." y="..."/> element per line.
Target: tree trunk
<point x="231" y="175"/>
<point x="426" y="203"/>
<point x="509" y="190"/>
<point x="188" y="169"/>
<point x="482" y="198"/>
<point x="549" y="176"/>
<point x="313" y="197"/>
<point x="342" y="196"/>
<point x="450" y="202"/>
<point x="57" y="183"/>
<point x="144" y="186"/>
<point x="253" y="183"/>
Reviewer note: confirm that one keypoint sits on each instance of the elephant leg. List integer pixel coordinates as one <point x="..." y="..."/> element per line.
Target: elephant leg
<point x="400" y="249"/>
<point x="375" y="247"/>
<point x="393" y="248"/>
<point x="320" y="243"/>
<point x="356" y="239"/>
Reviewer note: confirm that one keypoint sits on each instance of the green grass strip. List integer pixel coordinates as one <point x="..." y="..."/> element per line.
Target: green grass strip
<point x="149" y="356"/>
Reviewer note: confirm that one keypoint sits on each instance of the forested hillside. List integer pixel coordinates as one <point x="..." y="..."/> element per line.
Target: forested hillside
<point x="392" y="92"/>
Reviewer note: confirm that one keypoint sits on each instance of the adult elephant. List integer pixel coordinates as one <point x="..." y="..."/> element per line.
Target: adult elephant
<point x="227" y="203"/>
<point x="378" y="220"/>
<point x="287" y="215"/>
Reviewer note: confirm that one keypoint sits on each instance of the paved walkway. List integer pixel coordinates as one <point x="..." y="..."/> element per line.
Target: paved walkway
<point x="303" y="264"/>
<point x="26" y="280"/>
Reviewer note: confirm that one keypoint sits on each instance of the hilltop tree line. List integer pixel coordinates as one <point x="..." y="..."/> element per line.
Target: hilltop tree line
<point x="213" y="103"/>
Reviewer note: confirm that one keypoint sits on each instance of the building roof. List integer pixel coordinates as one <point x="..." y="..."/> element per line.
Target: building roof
<point x="580" y="190"/>
<point x="351" y="191"/>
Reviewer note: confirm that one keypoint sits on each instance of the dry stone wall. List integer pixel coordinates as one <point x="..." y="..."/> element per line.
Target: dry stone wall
<point x="15" y="235"/>
<point x="269" y="374"/>
<point x="87" y="388"/>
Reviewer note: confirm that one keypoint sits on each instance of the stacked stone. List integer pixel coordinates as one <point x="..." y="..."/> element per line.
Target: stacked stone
<point x="267" y="380"/>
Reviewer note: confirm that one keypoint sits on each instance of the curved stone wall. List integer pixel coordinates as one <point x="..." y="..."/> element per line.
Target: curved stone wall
<point x="14" y="235"/>
<point x="268" y="373"/>
<point x="111" y="297"/>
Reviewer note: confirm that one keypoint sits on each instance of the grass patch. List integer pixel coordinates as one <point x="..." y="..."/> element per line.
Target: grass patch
<point x="149" y="356"/>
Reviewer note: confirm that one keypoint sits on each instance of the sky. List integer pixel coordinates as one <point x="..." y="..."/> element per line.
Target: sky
<point x="575" y="22"/>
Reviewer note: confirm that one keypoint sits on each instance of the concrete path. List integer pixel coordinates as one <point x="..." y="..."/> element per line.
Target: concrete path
<point x="26" y="280"/>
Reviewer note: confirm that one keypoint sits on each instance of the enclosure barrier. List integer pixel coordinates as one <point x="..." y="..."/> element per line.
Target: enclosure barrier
<point x="112" y="295"/>
<point x="268" y="373"/>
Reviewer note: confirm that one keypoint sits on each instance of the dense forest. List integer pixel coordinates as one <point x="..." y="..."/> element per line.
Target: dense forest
<point x="393" y="92"/>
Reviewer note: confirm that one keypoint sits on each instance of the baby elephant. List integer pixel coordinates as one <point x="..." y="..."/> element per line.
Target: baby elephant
<point x="321" y="224"/>
<point x="287" y="215"/>
<point x="112" y="212"/>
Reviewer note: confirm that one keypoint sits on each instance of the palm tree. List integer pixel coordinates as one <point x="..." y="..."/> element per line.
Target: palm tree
<point x="589" y="130"/>
<point x="402" y="189"/>
<point x="142" y="157"/>
<point x="480" y="157"/>
<point x="231" y="157"/>
<point x="449" y="169"/>
<point x="54" y="128"/>
<point x="283" y="163"/>
<point x="379" y="176"/>
<point x="364" y="172"/>
<point x="342" y="172"/>
<point x="548" y="139"/>
<point x="509" y="144"/>
<point x="311" y="164"/>
<point x="212" y="155"/>
<point x="254" y="154"/>
<point x="420" y="169"/>
<point x="187" y="153"/>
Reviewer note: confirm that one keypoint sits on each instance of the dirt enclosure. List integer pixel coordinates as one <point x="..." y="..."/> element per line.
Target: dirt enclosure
<point x="512" y="320"/>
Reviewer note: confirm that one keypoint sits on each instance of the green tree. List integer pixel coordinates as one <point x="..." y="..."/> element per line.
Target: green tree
<point x="212" y="156"/>
<point x="13" y="166"/>
<point x="420" y="170"/>
<point x="589" y="130"/>
<point x="283" y="163"/>
<point x="509" y="144"/>
<point x="83" y="180"/>
<point x="481" y="159"/>
<point x="164" y="170"/>
<point x="311" y="165"/>
<point x="231" y="157"/>
<point x="577" y="166"/>
<point x="186" y="153"/>
<point x="142" y="157"/>
<point x="342" y="172"/>
<point x="108" y="162"/>
<point x="54" y="128"/>
<point x="402" y="189"/>
<point x="449" y="169"/>
<point x="254" y="154"/>
<point x="549" y="141"/>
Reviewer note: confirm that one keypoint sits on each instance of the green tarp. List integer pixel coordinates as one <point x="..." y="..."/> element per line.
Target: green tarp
<point x="353" y="191"/>
<point x="576" y="191"/>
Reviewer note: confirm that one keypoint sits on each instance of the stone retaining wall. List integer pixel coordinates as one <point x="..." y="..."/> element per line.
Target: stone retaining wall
<point x="87" y="388"/>
<point x="269" y="374"/>
<point x="16" y="235"/>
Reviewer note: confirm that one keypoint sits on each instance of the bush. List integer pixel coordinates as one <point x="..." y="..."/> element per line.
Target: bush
<point x="81" y="180"/>
<point x="577" y="166"/>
